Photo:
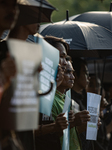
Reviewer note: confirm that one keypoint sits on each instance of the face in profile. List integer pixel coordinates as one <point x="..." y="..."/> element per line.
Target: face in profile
<point x="63" y="55"/>
<point x="83" y="79"/>
<point x="32" y="28"/>
<point x="8" y="13"/>
<point x="68" y="80"/>
<point x="94" y="85"/>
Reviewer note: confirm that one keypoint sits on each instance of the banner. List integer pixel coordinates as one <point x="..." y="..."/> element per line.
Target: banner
<point x="20" y="103"/>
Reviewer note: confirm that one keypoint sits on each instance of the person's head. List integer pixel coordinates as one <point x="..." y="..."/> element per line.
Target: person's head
<point x="94" y="85"/>
<point x="32" y="28"/>
<point x="68" y="80"/>
<point x="22" y="32"/>
<point x="81" y="73"/>
<point x="8" y="14"/>
<point x="62" y="46"/>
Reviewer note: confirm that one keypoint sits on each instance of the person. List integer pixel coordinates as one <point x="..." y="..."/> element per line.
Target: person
<point x="8" y="17"/>
<point x="94" y="85"/>
<point x="59" y="43"/>
<point x="58" y="104"/>
<point x="9" y="13"/>
<point x="108" y="113"/>
<point x="79" y="118"/>
<point x="78" y="94"/>
<point x="81" y="81"/>
<point x="102" y="139"/>
<point x="49" y="129"/>
<point x="21" y="33"/>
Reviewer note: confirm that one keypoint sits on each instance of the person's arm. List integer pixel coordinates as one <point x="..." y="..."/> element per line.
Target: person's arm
<point x="83" y="127"/>
<point x="58" y="126"/>
<point x="109" y="127"/>
<point x="8" y="68"/>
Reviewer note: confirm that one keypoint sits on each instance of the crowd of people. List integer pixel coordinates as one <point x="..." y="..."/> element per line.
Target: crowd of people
<point x="73" y="74"/>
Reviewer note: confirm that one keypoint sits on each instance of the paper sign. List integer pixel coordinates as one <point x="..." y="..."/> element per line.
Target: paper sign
<point x="50" y="61"/>
<point x="66" y="135"/>
<point x="66" y="104"/>
<point x="93" y="106"/>
<point x="66" y="132"/>
<point x="20" y="104"/>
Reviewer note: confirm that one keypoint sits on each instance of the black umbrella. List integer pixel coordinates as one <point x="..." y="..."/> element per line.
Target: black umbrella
<point x="84" y="39"/>
<point x="34" y="11"/>
<point x="103" y="18"/>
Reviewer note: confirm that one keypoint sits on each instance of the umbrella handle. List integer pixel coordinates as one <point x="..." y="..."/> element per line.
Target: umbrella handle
<point x="43" y="94"/>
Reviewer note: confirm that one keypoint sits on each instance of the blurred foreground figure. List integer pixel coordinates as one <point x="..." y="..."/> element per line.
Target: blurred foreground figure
<point x="8" y="17"/>
<point x="24" y="138"/>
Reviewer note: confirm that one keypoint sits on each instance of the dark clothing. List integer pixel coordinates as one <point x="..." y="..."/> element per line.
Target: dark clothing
<point x="27" y="139"/>
<point x="3" y="51"/>
<point x="49" y="141"/>
<point x="79" y="98"/>
<point x="102" y="141"/>
<point x="17" y="140"/>
<point x="108" y="118"/>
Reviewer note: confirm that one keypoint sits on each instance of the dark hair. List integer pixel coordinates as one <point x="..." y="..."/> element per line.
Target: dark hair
<point x="54" y="40"/>
<point x="77" y="64"/>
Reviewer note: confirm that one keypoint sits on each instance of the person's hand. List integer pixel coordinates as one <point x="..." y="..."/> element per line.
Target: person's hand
<point x="8" y="67"/>
<point x="99" y="122"/>
<point x="103" y="104"/>
<point x="71" y="116"/>
<point x="61" y="123"/>
<point x="60" y="75"/>
<point x="81" y="118"/>
<point x="39" y="68"/>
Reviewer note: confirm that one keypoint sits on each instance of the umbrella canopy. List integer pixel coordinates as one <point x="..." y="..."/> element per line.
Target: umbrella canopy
<point x="103" y="18"/>
<point x="84" y="39"/>
<point x="34" y="11"/>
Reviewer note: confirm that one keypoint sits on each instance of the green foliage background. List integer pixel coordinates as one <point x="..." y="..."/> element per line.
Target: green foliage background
<point x="77" y="7"/>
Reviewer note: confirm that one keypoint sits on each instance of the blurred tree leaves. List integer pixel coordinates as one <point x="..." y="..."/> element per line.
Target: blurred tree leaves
<point x="77" y="7"/>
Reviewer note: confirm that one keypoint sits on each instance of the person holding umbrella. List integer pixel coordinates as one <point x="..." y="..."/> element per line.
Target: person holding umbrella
<point x="21" y="33"/>
<point x="30" y="13"/>
<point x="25" y="138"/>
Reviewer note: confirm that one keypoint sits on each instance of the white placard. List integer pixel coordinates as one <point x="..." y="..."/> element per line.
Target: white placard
<point x="93" y="106"/>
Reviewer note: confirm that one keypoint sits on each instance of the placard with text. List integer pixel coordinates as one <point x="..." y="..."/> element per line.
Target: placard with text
<point x="20" y="104"/>
<point x="50" y="61"/>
